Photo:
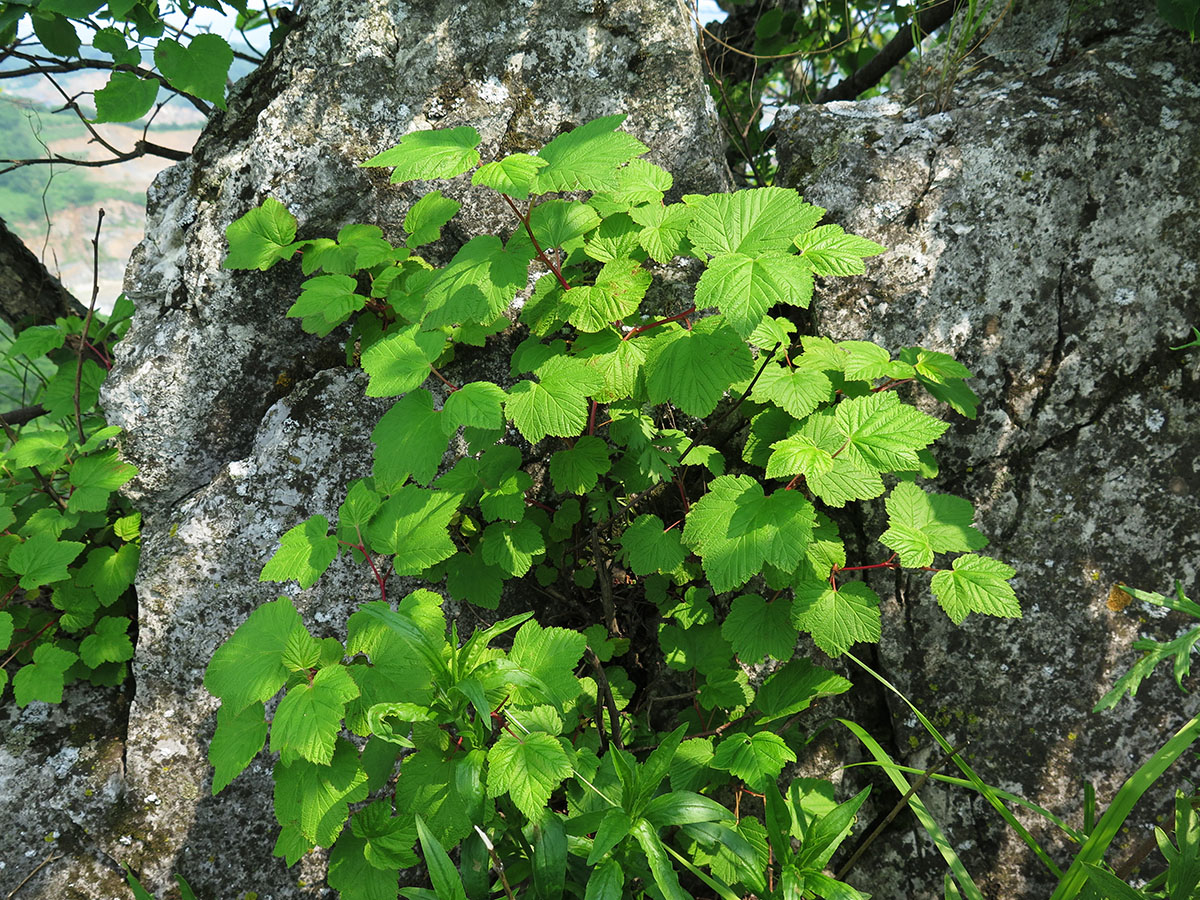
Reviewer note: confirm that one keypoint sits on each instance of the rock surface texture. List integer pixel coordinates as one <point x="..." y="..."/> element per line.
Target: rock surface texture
<point x="1040" y="228"/>
<point x="242" y="425"/>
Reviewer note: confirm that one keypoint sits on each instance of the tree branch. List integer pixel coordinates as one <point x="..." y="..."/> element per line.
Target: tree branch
<point x="929" y="20"/>
<point x="29" y="294"/>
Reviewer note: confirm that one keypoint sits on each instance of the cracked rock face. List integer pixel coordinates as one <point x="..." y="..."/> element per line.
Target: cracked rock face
<point x="242" y="426"/>
<point x="1041" y="230"/>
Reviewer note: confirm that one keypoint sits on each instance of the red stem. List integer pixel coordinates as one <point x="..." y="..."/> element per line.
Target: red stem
<point x="683" y="315"/>
<point x="361" y="548"/>
<point x="442" y="379"/>
<point x="541" y="254"/>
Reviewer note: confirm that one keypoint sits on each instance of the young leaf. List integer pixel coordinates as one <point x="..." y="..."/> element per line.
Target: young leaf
<point x="43" y="678"/>
<point x="314" y="798"/>
<point x="664" y="229"/>
<point x="109" y="572"/>
<point x="649" y="548"/>
<point x="693" y="369"/>
<point x="576" y="470"/>
<point x="43" y="559"/>
<point x="756" y="628"/>
<point x="309" y="717"/>
<point x="736" y="529"/>
<point x="512" y="546"/>
<point x="756" y="758"/>
<point x="110" y="642"/>
<point x="922" y="524"/>
<point x="799" y="391"/>
<point x="830" y="251"/>
<point x="837" y="617"/>
<point x="94" y="478"/>
<point x="199" y="69"/>
<point x="529" y="768"/>
<point x="249" y="667"/>
<point x="514" y="175"/>
<point x="883" y="433"/>
<point x="617" y="293"/>
<point x="304" y="554"/>
<point x="325" y="303"/>
<point x="745" y="287"/>
<point x="238" y="739"/>
<point x="400" y="361"/>
<point x="425" y="219"/>
<point x="425" y="155"/>
<point x="587" y="158"/>
<point x="408" y="441"/>
<point x="412" y="524"/>
<point x="750" y="222"/>
<point x="261" y="238"/>
<point x="976" y="584"/>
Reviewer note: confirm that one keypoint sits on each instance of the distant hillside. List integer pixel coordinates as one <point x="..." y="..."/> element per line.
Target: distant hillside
<point x="53" y="207"/>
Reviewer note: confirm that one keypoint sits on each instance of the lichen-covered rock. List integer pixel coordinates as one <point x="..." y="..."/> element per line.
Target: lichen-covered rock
<point x="1041" y="230"/>
<point x="242" y="425"/>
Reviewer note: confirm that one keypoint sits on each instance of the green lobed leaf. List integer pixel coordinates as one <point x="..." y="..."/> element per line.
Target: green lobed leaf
<point x="559" y="223"/>
<point x="830" y="251"/>
<point x="883" y="433"/>
<point x="478" y="285"/>
<point x="325" y="303"/>
<point x="756" y="628"/>
<point x="200" y="68"/>
<point x="35" y="341"/>
<point x="477" y="404"/>
<point x="745" y="287"/>
<point x="261" y="238"/>
<point x="922" y="524"/>
<point x="110" y="572"/>
<point x="693" y="369"/>
<point x="249" y="667"/>
<point x="664" y="229"/>
<point x="315" y="798"/>
<point x="400" y="361"/>
<point x="756" y="758"/>
<point x="309" y="717"/>
<point x="513" y="175"/>
<point x="409" y="441"/>
<point x="793" y="687"/>
<point x="354" y="875"/>
<point x="43" y="679"/>
<point x="110" y="642"/>
<point x="512" y="546"/>
<point x="976" y="584"/>
<point x="93" y="478"/>
<point x="577" y="469"/>
<point x="587" y="157"/>
<point x="554" y="406"/>
<point x="304" y="553"/>
<point x="425" y="218"/>
<point x="470" y="578"/>
<point x="798" y="391"/>
<point x="412" y="524"/>
<point x="425" y="155"/>
<point x="750" y="222"/>
<point x="617" y="293"/>
<point x="530" y="768"/>
<point x="735" y="529"/>
<point x="238" y="739"/>
<point x="6" y="629"/>
<point x="43" y="559"/>
<point x="837" y="618"/>
<point x="550" y="655"/>
<point x="649" y="548"/>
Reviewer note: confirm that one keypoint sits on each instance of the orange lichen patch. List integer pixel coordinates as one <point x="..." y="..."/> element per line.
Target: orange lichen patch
<point x="1118" y="599"/>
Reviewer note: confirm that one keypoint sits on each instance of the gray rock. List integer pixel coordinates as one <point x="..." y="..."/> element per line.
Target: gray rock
<point x="1042" y="231"/>
<point x="242" y="426"/>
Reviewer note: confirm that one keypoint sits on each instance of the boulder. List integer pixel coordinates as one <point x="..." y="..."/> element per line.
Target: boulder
<point x="242" y="426"/>
<point x="1040" y="219"/>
